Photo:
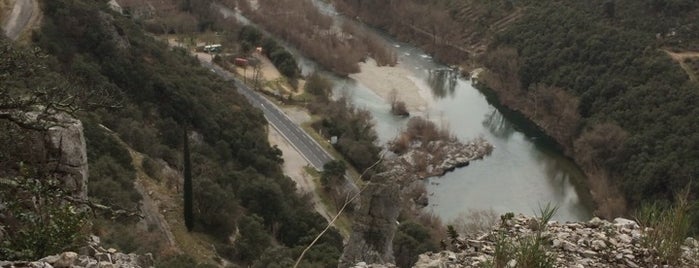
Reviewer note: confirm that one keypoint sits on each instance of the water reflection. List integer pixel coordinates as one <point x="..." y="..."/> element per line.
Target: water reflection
<point x="442" y="81"/>
<point x="497" y="124"/>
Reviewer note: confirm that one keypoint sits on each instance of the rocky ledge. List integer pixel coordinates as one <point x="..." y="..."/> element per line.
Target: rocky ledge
<point x="435" y="158"/>
<point x="91" y="256"/>
<point x="596" y="243"/>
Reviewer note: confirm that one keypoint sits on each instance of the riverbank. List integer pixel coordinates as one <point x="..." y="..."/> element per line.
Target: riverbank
<point x="385" y="80"/>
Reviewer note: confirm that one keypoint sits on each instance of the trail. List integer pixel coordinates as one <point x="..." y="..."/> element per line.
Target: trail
<point x="680" y="57"/>
<point x="20" y="18"/>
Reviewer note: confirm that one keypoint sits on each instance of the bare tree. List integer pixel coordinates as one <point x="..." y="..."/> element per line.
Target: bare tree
<point x="257" y="76"/>
<point x="398" y="106"/>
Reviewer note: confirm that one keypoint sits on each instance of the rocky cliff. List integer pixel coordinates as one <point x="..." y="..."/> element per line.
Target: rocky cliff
<point x="67" y="154"/>
<point x="374" y="225"/>
<point x="91" y="256"/>
<point x="596" y="243"/>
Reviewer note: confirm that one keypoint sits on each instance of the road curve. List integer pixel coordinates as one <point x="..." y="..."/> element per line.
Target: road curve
<point x="19" y="18"/>
<point x="297" y="137"/>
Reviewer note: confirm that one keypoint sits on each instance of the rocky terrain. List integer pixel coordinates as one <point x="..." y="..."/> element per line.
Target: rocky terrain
<point x="596" y="243"/>
<point x="91" y="256"/>
<point x="435" y="158"/>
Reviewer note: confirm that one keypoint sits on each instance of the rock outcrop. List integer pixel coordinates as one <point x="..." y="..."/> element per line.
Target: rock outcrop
<point x="67" y="154"/>
<point x="596" y="243"/>
<point x="435" y="158"/>
<point x="91" y="256"/>
<point x="374" y="225"/>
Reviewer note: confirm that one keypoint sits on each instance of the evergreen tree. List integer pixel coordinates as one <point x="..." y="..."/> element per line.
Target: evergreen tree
<point x="188" y="214"/>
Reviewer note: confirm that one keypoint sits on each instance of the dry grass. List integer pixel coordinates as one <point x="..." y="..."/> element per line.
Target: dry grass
<point x="475" y="221"/>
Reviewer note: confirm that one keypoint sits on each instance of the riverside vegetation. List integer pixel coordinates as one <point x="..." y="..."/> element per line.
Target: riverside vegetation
<point x="591" y="74"/>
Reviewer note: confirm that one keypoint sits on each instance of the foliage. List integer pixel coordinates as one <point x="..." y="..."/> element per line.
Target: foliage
<point x="178" y="261"/>
<point x="332" y="171"/>
<point x="28" y="86"/>
<point x="411" y="240"/>
<point x="666" y="227"/>
<point x="319" y="87"/>
<point x="187" y="195"/>
<point x="38" y="219"/>
<point x="165" y="89"/>
<point x="615" y="68"/>
<point x="527" y="251"/>
<point x="251" y="38"/>
<point x="354" y="129"/>
<point x="253" y="240"/>
<point x="303" y="25"/>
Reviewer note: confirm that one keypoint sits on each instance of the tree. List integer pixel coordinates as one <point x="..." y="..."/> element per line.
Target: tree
<point x="453" y="235"/>
<point x="188" y="207"/>
<point x="31" y="96"/>
<point x="610" y="8"/>
<point x="253" y="240"/>
<point x="38" y="218"/>
<point x="332" y="170"/>
<point x="397" y="106"/>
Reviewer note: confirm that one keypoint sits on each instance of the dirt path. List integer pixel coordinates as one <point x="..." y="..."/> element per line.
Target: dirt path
<point x="679" y="57"/>
<point x="23" y="12"/>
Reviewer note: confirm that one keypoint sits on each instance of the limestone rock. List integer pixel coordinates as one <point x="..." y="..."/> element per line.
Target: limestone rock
<point x="371" y="240"/>
<point x="597" y="243"/>
<point x="67" y="151"/>
<point x="97" y="258"/>
<point x="66" y="260"/>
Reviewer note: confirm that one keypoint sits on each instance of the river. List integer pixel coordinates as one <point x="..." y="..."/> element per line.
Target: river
<point x="523" y="172"/>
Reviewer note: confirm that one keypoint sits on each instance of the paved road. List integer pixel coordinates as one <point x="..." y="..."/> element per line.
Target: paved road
<point x="19" y="18"/>
<point x="297" y="137"/>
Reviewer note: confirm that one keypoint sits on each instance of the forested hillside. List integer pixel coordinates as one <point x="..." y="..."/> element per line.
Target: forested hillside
<point x="595" y="75"/>
<point x="637" y="111"/>
<point x="238" y="183"/>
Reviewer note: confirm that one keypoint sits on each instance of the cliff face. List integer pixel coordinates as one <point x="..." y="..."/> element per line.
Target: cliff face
<point x="67" y="154"/>
<point x="374" y="226"/>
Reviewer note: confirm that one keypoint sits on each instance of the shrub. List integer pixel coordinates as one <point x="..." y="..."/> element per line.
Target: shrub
<point x="40" y="221"/>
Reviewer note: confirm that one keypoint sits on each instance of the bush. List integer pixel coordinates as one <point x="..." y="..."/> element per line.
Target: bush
<point x="666" y="227"/>
<point x="37" y="220"/>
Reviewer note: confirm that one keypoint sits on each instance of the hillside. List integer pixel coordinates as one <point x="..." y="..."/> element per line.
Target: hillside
<point x="244" y="206"/>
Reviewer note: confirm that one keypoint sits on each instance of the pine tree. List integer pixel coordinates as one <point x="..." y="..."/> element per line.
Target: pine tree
<point x="188" y="213"/>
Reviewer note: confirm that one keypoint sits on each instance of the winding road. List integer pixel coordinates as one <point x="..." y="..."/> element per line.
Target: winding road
<point x="19" y="18"/>
<point x="297" y="137"/>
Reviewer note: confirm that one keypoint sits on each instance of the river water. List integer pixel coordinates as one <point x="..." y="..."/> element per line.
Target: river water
<point x="524" y="171"/>
<point x="522" y="174"/>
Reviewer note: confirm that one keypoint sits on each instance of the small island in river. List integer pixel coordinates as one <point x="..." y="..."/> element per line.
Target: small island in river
<point x="423" y="150"/>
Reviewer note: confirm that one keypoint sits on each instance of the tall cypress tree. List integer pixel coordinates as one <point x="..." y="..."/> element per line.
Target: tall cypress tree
<point x="188" y="213"/>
